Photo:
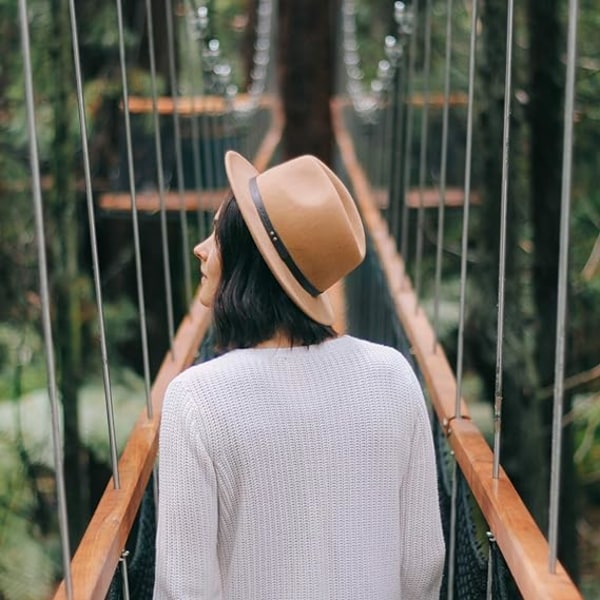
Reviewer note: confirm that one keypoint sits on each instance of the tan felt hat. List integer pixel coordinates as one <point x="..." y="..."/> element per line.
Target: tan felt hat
<point x="304" y="223"/>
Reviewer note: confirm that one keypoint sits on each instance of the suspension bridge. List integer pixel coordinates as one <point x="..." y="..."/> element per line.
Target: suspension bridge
<point x="171" y="180"/>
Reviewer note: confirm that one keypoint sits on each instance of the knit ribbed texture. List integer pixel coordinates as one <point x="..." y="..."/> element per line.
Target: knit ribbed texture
<point x="298" y="474"/>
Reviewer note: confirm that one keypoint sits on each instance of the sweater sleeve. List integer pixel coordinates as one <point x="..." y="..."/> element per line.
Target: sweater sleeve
<point x="422" y="544"/>
<point x="186" y="543"/>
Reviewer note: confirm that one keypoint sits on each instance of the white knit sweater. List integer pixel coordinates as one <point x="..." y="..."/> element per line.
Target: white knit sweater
<point x="298" y="474"/>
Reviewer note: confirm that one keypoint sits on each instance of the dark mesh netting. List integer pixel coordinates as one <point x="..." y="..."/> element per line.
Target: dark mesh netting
<point x="371" y="315"/>
<point x="473" y="548"/>
<point x="140" y="562"/>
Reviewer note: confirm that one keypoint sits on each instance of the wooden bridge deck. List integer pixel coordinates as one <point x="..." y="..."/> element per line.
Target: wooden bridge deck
<point x="521" y="542"/>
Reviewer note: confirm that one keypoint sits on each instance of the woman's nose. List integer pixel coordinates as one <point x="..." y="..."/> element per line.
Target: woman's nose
<point x="199" y="251"/>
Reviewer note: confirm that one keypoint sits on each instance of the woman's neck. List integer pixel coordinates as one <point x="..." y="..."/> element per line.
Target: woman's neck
<point x="279" y="340"/>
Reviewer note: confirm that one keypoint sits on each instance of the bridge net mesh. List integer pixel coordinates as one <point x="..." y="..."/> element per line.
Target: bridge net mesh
<point x="370" y="315"/>
<point x="140" y="562"/>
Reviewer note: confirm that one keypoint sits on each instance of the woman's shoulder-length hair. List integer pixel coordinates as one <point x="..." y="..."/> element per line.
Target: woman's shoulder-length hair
<point x="250" y="306"/>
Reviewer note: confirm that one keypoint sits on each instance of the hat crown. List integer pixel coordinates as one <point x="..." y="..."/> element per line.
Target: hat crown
<point x="304" y="223"/>
<point x="315" y="218"/>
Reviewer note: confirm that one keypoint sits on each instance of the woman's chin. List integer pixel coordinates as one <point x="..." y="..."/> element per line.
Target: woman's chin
<point x="206" y="297"/>
<point x="204" y="301"/>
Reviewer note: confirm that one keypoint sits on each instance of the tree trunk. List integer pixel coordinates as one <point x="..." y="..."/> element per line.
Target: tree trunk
<point x="546" y="77"/>
<point x="306" y="66"/>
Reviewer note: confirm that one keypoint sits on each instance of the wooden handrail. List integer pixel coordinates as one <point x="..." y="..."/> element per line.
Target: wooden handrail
<point x="94" y="563"/>
<point x="522" y="544"/>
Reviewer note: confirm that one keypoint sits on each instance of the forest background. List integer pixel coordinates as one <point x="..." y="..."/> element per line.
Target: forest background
<point x="29" y="544"/>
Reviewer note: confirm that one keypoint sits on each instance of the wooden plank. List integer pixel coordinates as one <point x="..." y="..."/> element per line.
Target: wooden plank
<point x="436" y="100"/>
<point x="522" y="544"/>
<point x="453" y="198"/>
<point x="193" y="105"/>
<point x="149" y="201"/>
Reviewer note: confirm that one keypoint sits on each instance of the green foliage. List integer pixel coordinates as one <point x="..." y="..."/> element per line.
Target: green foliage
<point x="27" y="568"/>
<point x="29" y="557"/>
<point x="121" y="323"/>
<point x="22" y="366"/>
<point x="586" y="419"/>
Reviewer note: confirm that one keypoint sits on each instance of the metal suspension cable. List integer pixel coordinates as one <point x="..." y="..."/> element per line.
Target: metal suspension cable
<point x="124" y="574"/>
<point x="563" y="273"/>
<point x="490" y="566"/>
<point x="164" y="236"/>
<point x="457" y="412"/>
<point x="134" y="212"/>
<point x="382" y="124"/>
<point x="423" y="152"/>
<point x="404" y="20"/>
<point x="502" y="253"/>
<point x="195" y="91"/>
<point x="409" y="133"/>
<point x="63" y="519"/>
<point x="209" y="55"/>
<point x="187" y="276"/>
<point x="110" y="416"/>
<point x="452" y="534"/>
<point x="387" y="73"/>
<point x="394" y="167"/>
<point x="443" y="169"/>
<point x="466" y="207"/>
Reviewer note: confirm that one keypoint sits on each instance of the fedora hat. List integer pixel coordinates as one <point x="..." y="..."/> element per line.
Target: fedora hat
<point x="304" y="223"/>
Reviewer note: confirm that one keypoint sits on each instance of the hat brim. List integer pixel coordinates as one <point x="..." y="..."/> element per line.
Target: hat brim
<point x="239" y="173"/>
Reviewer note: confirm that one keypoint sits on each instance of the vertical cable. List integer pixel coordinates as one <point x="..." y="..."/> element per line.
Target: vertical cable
<point x="195" y="90"/>
<point x="409" y="134"/>
<point x="452" y="536"/>
<point x="466" y="207"/>
<point x="423" y="153"/>
<point x="125" y="574"/>
<point x="161" y="179"/>
<point x="396" y="157"/>
<point x="63" y="519"/>
<point x="390" y="139"/>
<point x="110" y="416"/>
<point x="395" y="52"/>
<point x="209" y="55"/>
<point x="404" y="17"/>
<point x="443" y="168"/>
<point x="502" y="253"/>
<point x="134" y="212"/>
<point x="563" y="274"/>
<point x="381" y="146"/>
<point x="463" y="273"/>
<point x="490" y="566"/>
<point x="185" y="244"/>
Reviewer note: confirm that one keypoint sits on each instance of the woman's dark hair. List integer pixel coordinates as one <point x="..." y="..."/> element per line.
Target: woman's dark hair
<point x="250" y="306"/>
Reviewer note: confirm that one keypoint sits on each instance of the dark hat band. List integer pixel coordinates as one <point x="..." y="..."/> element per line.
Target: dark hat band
<point x="276" y="240"/>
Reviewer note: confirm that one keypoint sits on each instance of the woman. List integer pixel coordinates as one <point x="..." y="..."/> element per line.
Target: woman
<point x="298" y="465"/>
